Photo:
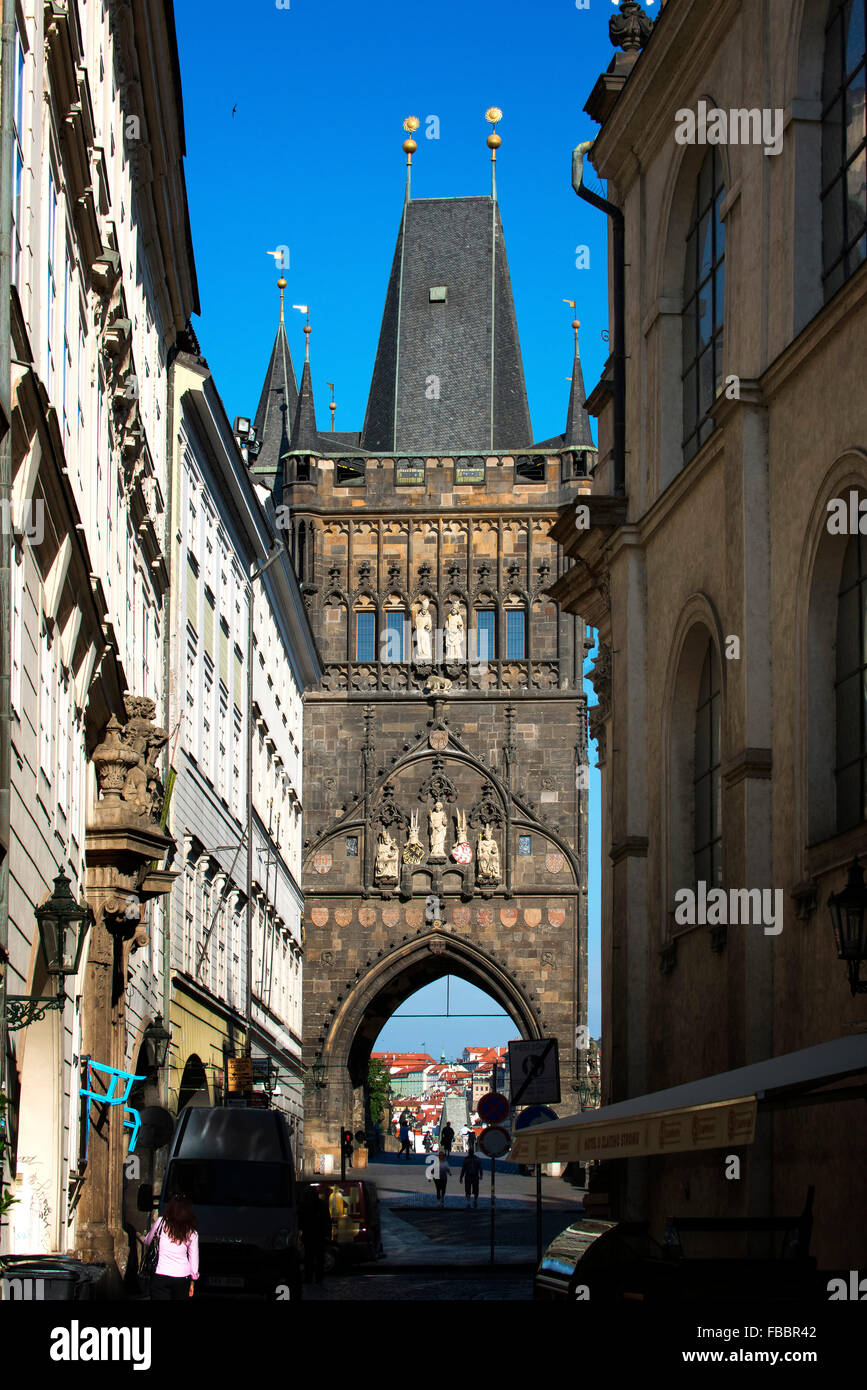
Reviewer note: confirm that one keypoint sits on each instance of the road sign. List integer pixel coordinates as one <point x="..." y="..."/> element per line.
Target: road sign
<point x="493" y="1108"/>
<point x="240" y="1073"/>
<point x="535" y="1115"/>
<point x="495" y="1141"/>
<point x="534" y="1071"/>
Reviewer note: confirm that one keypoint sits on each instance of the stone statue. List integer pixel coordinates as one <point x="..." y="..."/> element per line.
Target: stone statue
<point x="488" y="857"/>
<point x="126" y="759"/>
<point x="413" y="850"/>
<point x="438" y="825"/>
<point x="462" y="853"/>
<point x="423" y="622"/>
<point x="454" y="634"/>
<point x="386" y="858"/>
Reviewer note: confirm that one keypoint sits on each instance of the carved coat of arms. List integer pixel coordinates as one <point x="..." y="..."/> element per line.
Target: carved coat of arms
<point x="366" y="916"/>
<point x="532" y="916"/>
<point x="485" y="917"/>
<point x="556" y="916"/>
<point x="343" y="916"/>
<point x="391" y="916"/>
<point x="508" y="916"/>
<point x="554" y="862"/>
<point x="414" y="916"/>
<point x="461" y="917"/>
<point x="319" y="916"/>
<point x="322" y="862"/>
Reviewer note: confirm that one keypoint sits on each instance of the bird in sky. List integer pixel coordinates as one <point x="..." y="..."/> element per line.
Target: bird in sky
<point x="234" y="109"/>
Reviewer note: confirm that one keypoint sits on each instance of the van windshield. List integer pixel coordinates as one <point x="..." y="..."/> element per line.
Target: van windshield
<point x="230" y="1182"/>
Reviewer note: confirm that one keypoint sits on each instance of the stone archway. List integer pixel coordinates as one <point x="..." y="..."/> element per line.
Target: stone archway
<point x="379" y="990"/>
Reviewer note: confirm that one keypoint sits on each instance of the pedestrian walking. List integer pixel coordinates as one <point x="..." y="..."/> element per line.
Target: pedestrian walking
<point x="443" y="1174"/>
<point x="178" y="1251"/>
<point x="315" y="1223"/>
<point x="427" y="1143"/>
<point x="403" y="1136"/>
<point x="471" y="1176"/>
<point x="447" y="1138"/>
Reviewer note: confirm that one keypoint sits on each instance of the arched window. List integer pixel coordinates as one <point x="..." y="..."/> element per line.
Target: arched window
<point x="851" y="687"/>
<point x="707" y="821"/>
<point x="516" y="634"/>
<point x="844" y="145"/>
<point x="703" y="303"/>
<point x="365" y="635"/>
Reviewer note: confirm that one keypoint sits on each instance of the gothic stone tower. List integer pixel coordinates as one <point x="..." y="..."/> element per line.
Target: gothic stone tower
<point x="452" y="690"/>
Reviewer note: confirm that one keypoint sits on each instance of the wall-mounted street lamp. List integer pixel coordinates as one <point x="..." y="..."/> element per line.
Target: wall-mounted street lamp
<point x="62" y="924"/>
<point x="318" y="1070"/>
<point x="158" y="1038"/>
<point x="850" y="929"/>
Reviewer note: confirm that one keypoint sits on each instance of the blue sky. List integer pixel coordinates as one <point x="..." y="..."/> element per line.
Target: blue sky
<point x="312" y="160"/>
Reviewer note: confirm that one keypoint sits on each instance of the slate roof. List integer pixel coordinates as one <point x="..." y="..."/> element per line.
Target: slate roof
<point x="276" y="409"/>
<point x="469" y="342"/>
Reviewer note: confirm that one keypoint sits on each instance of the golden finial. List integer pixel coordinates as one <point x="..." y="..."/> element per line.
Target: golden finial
<point x="281" y="285"/>
<point x="333" y="406"/>
<point x="493" y="114"/>
<point x="409" y="146"/>
<point x="575" y="322"/>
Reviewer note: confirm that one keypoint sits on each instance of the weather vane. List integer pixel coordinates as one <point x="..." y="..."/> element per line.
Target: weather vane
<point x="493" y="115"/>
<point x="410" y="125"/>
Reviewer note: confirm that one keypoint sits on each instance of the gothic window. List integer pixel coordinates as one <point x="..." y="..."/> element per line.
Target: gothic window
<point x="365" y="636"/>
<point x="707" y="852"/>
<point x="486" y="626"/>
<point x="703" y="304"/>
<point x="844" y="145"/>
<point x="851" y="687"/>
<point x="395" y="626"/>
<point x="516" y="634"/>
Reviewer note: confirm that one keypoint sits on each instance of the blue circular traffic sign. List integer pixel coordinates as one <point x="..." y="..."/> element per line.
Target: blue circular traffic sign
<point x="493" y="1108"/>
<point x="535" y="1115"/>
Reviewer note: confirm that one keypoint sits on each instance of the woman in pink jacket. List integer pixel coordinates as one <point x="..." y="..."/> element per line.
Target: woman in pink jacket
<point x="178" y="1260"/>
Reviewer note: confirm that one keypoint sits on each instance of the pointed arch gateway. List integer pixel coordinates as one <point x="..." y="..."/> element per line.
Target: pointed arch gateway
<point x="389" y="980"/>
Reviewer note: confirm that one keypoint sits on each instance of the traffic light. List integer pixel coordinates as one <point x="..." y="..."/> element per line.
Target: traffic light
<point x="346" y="1140"/>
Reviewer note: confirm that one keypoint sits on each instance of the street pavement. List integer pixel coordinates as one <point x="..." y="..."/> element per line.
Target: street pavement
<point x="443" y="1253"/>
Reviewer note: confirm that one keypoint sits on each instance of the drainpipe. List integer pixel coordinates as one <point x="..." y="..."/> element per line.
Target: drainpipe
<point x="619" y="349"/>
<point x="7" y="62"/>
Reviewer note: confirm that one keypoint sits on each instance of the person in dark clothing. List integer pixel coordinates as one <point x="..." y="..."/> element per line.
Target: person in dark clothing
<point x="403" y="1135"/>
<point x="447" y="1138"/>
<point x="471" y="1173"/>
<point x="315" y="1222"/>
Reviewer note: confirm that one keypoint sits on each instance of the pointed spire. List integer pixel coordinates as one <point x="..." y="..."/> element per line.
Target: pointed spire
<point x="276" y="409"/>
<point x="304" y="434"/>
<point x="578" y="434"/>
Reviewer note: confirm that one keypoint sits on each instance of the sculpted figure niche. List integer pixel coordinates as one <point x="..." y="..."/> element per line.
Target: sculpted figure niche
<point x="454" y="633"/>
<point x="386" y="858"/>
<point x="437" y="825"/>
<point x="488" y="857"/>
<point x="423" y="622"/>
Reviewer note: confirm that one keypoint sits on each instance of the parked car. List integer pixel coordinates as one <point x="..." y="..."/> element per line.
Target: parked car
<point x="356" y="1233"/>
<point x="236" y="1167"/>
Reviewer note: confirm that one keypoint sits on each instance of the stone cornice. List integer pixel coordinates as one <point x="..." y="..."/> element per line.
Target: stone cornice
<point x="811" y="339"/>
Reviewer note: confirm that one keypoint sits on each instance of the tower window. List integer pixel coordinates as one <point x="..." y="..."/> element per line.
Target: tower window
<point x="485" y="638"/>
<point x="365" y="636"/>
<point x="515" y="634"/>
<point x="349" y="473"/>
<point x="395" y="624"/>
<point x="531" y="468"/>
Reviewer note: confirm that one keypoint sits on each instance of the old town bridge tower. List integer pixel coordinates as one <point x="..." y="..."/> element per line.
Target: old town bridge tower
<point x="445" y="749"/>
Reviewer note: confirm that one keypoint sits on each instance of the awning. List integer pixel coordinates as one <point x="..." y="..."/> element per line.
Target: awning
<point x="710" y="1113"/>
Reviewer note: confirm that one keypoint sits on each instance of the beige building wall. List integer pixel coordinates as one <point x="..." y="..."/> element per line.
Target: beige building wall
<point x="733" y="545"/>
